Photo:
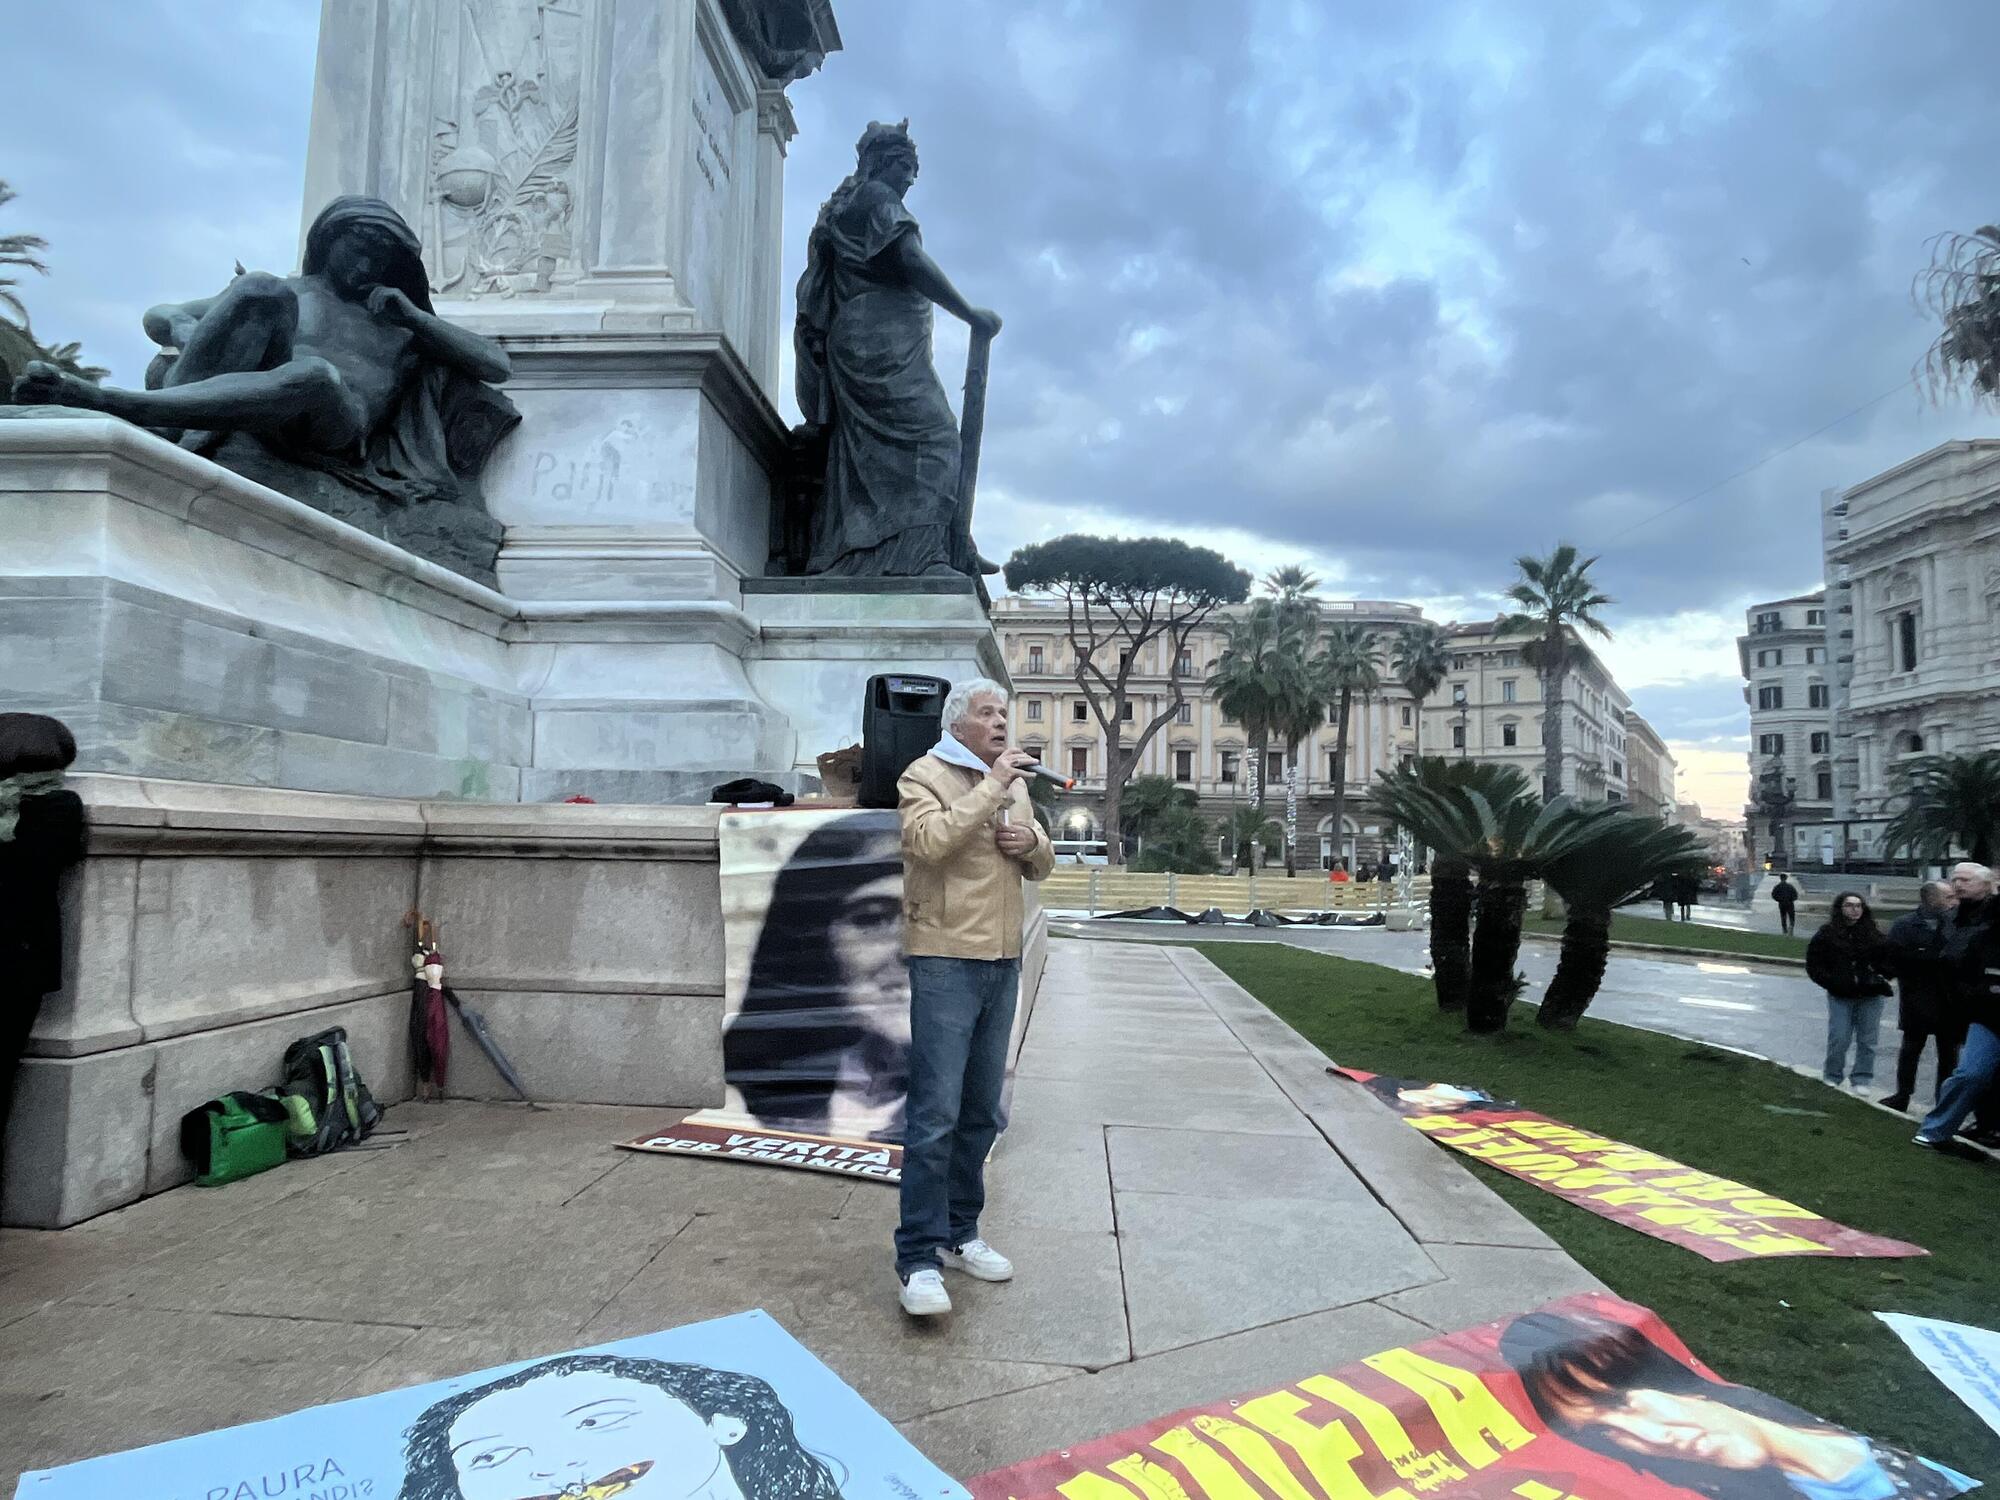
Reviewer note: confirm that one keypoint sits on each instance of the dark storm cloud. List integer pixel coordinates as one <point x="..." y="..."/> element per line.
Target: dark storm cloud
<point x="1408" y="288"/>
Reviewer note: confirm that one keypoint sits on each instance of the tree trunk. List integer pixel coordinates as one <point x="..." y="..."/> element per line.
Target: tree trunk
<point x="1496" y="945"/>
<point x="1586" y="946"/>
<point x="1552" y="734"/>
<point x="1340" y="779"/>
<point x="1114" y="797"/>
<point x="1292" y="814"/>
<point x="1451" y="930"/>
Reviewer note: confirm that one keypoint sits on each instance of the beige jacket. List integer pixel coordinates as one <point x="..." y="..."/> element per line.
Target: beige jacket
<point x="961" y="895"/>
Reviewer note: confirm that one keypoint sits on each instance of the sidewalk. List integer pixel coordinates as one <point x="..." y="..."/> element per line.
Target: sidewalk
<point x="1735" y="1001"/>
<point x="1196" y="1210"/>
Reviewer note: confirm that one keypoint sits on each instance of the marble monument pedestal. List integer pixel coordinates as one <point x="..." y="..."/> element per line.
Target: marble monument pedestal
<point x="821" y="639"/>
<point x="291" y="732"/>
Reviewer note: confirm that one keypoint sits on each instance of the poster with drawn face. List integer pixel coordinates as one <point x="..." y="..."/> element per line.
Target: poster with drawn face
<point x="816" y="1027"/>
<point x="734" y="1409"/>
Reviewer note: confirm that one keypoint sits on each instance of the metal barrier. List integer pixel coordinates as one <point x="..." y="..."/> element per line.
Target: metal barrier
<point x="1098" y="888"/>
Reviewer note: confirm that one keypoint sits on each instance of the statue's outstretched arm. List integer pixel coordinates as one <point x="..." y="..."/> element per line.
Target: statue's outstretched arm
<point x="928" y="277"/>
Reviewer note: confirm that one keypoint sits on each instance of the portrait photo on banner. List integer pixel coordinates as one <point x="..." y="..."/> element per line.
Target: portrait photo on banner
<point x="1585" y="1399"/>
<point x="816" y="1024"/>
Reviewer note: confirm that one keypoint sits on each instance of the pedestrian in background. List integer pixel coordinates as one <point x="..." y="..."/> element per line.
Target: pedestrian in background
<point x="1686" y="888"/>
<point x="1847" y="958"/>
<point x="1785" y="896"/>
<point x="1663" y="888"/>
<point x="1929" y="1002"/>
<point x="41" y="835"/>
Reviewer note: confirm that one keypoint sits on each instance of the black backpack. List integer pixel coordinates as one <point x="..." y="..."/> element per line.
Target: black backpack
<point x="329" y="1105"/>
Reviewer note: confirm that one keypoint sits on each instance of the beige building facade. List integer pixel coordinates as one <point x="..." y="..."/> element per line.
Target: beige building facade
<point x="1651" y="772"/>
<point x="1785" y="658"/>
<point x="1488" y="708"/>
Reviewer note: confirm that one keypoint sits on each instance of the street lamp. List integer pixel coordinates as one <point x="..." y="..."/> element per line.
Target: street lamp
<point x="1776" y="794"/>
<point x="1464" y="713"/>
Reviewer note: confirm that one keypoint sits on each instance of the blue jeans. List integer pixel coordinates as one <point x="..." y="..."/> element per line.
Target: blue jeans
<point x="1852" y="1022"/>
<point x="1978" y="1065"/>
<point x="961" y="1014"/>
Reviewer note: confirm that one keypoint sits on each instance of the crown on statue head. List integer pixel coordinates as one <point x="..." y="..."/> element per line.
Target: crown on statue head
<point x="880" y="141"/>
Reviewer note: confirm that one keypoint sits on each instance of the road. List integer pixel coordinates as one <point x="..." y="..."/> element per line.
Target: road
<point x="1775" y="1013"/>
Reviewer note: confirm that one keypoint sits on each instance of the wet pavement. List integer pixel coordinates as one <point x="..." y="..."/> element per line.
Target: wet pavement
<point x="1164" y="1125"/>
<point x="1771" y="1011"/>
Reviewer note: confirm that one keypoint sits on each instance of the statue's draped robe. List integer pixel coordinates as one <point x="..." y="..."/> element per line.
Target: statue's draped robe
<point x="865" y="371"/>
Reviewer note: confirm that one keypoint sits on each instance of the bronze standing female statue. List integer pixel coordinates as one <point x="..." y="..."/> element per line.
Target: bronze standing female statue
<point x="890" y="507"/>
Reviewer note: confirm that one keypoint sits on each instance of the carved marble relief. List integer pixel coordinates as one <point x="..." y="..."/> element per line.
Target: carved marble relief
<point x="503" y="187"/>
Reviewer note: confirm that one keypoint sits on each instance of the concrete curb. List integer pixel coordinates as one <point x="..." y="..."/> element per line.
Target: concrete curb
<point x="1667" y="950"/>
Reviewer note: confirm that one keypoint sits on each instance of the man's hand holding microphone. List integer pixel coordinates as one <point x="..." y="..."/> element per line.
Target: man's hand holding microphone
<point x="1008" y="768"/>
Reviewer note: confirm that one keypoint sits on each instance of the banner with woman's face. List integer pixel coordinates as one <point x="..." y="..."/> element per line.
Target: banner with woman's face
<point x="1584" y="1399"/>
<point x="816" y="1012"/>
<point x="735" y="1406"/>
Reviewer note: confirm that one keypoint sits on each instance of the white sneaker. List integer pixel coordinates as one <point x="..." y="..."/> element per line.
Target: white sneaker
<point x="977" y="1258"/>
<point x="924" y="1295"/>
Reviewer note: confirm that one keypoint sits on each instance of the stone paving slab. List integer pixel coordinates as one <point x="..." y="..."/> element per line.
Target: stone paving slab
<point x="1195" y="1208"/>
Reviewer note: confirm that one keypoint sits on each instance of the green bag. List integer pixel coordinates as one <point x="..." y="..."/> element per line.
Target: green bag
<point x="236" y="1136"/>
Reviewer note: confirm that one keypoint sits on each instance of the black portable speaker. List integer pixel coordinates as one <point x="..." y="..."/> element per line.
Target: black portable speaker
<point x="899" y="722"/>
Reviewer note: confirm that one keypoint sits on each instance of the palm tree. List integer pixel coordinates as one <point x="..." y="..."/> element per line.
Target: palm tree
<point x="18" y="250"/>
<point x="1557" y="596"/>
<point x="1961" y="288"/>
<point x="1620" y="860"/>
<point x="1420" y="655"/>
<point x="1415" y="796"/>
<point x="1949" y="802"/>
<point x="1508" y="842"/>
<point x="17" y="341"/>
<point x="1246" y="680"/>
<point x="1291" y="584"/>
<point x="1350" y="663"/>
<point x="1248" y="827"/>
<point x="1295" y="710"/>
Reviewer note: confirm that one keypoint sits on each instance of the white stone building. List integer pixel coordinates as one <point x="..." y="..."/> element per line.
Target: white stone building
<point x="1913" y="570"/>
<point x="1899" y="656"/>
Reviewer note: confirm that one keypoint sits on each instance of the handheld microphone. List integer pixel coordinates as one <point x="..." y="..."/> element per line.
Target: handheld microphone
<point x="1036" y="768"/>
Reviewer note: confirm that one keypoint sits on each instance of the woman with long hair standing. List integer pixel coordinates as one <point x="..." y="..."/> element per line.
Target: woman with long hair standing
<point x="1849" y="959"/>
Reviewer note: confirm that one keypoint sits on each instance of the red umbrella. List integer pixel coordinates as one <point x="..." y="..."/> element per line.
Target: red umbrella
<point x="430" y="1021"/>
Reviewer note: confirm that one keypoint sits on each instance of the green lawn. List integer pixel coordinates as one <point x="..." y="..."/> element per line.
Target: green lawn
<point x="1628" y="928"/>
<point x="1799" y="1328"/>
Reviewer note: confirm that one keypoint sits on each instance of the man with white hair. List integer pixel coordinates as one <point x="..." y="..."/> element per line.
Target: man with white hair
<point x="969" y="839"/>
<point x="1972" y="947"/>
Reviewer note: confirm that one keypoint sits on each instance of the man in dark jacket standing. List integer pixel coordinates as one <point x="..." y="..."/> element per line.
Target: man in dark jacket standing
<point x="1930" y="1005"/>
<point x="41" y="835"/>
<point x="1972" y="948"/>
<point x="1785" y="896"/>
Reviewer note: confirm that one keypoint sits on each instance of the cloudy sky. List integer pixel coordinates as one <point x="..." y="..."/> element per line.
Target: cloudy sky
<point x="1395" y="290"/>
